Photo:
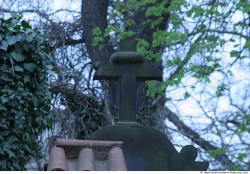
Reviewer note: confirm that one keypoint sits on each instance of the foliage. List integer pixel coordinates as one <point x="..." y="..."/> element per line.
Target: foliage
<point x="216" y="152"/>
<point x="24" y="94"/>
<point x="203" y="41"/>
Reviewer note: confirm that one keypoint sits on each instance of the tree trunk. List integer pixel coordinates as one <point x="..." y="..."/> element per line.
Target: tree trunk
<point x="94" y="14"/>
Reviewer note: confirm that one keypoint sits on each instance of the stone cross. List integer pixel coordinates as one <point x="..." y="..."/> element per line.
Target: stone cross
<point x="144" y="147"/>
<point x="128" y="66"/>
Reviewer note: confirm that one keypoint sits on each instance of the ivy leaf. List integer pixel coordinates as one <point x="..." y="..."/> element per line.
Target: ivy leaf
<point x="26" y="79"/>
<point x="25" y="24"/>
<point x="18" y="68"/>
<point x="2" y="108"/>
<point x="4" y="99"/>
<point x="5" y="77"/>
<point x="17" y="56"/>
<point x="11" y="40"/>
<point x="4" y="45"/>
<point x="30" y="66"/>
<point x="10" y="153"/>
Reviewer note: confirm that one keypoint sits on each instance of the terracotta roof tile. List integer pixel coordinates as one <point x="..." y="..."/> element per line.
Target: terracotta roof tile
<point x="71" y="154"/>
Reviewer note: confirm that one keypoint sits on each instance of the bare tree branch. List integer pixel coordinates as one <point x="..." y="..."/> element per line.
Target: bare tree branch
<point x="190" y="133"/>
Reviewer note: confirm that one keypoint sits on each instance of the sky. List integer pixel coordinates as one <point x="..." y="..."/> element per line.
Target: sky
<point x="189" y="108"/>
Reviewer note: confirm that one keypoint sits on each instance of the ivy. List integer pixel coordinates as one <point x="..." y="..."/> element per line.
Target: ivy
<point x="24" y="94"/>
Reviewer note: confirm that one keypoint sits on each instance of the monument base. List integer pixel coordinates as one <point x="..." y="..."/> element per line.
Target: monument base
<point x="147" y="149"/>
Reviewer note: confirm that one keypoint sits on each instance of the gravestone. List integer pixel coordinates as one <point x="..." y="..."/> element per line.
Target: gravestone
<point x="145" y="148"/>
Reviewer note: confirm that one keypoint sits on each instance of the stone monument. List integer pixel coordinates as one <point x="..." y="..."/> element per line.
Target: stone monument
<point x="144" y="147"/>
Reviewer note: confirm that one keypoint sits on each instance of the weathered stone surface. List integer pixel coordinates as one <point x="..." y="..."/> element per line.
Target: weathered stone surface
<point x="144" y="148"/>
<point x="127" y="58"/>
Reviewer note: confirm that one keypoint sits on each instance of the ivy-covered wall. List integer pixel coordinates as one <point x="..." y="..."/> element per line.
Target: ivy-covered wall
<point x="24" y="94"/>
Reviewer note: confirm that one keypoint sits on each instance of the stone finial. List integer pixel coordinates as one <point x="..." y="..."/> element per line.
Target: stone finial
<point x="188" y="155"/>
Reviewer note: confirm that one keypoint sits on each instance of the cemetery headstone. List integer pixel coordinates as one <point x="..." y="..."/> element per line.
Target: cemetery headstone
<point x="145" y="148"/>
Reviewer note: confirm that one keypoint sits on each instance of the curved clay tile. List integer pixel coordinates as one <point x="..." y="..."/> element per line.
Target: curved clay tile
<point x="116" y="159"/>
<point x="71" y="154"/>
<point x="57" y="160"/>
<point x="86" y="160"/>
